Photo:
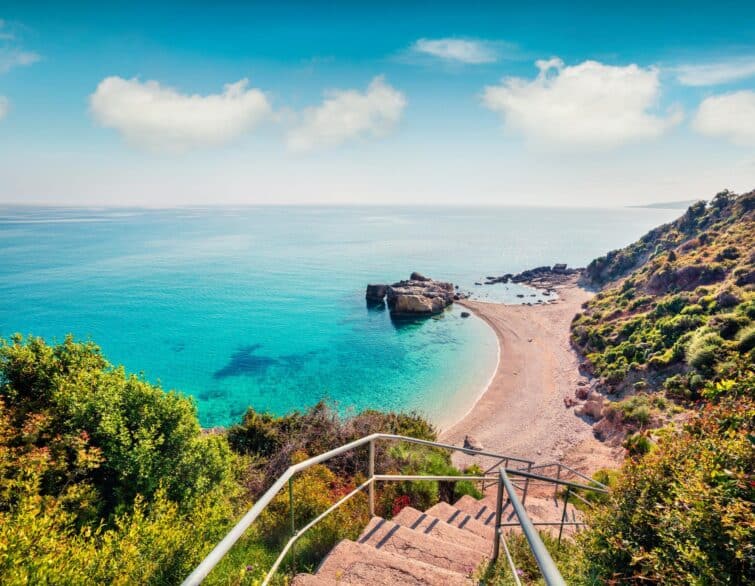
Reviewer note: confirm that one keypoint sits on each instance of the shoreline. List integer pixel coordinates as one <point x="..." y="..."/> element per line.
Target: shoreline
<point x="521" y="411"/>
<point x="483" y="388"/>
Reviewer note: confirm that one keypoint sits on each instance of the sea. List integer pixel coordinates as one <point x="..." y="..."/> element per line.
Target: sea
<point x="264" y="306"/>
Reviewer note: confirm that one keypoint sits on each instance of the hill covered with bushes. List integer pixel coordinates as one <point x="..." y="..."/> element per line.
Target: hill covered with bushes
<point x="671" y="339"/>
<point x="677" y="308"/>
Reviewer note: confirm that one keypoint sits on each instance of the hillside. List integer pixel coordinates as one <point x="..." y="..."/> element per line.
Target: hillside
<point x="676" y="307"/>
<point x="670" y="339"/>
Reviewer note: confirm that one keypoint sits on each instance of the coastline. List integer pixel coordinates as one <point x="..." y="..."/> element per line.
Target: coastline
<point x="521" y="412"/>
<point x="482" y="389"/>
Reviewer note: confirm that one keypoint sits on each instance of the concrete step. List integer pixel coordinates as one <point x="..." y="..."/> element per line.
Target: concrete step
<point x="391" y="537"/>
<point x="453" y="516"/>
<point x="355" y="563"/>
<point x="429" y="525"/>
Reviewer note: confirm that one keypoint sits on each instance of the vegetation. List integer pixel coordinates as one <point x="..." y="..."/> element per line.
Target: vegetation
<point x="567" y="555"/>
<point x="682" y="513"/>
<point x="671" y="335"/>
<point x="105" y="478"/>
<point x="682" y="310"/>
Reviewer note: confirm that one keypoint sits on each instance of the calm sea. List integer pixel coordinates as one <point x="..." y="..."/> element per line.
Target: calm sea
<point x="264" y="306"/>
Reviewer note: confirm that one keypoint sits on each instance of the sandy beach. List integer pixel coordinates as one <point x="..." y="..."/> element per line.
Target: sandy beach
<point x="522" y="412"/>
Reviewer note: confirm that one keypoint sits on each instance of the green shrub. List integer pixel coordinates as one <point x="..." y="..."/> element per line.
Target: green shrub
<point x="68" y="396"/>
<point x="637" y="444"/>
<point x="746" y="339"/>
<point x="682" y="513"/>
<point x="703" y="349"/>
<point x="635" y="409"/>
<point x="315" y="490"/>
<point x="694" y="309"/>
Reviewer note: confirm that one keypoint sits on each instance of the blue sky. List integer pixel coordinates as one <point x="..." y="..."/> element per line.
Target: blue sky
<point x="428" y="103"/>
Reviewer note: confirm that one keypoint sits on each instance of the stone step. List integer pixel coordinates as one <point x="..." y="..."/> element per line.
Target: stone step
<point x="481" y="510"/>
<point x="453" y="516"/>
<point x="540" y="509"/>
<point x="433" y="526"/>
<point x="391" y="537"/>
<point x="355" y="563"/>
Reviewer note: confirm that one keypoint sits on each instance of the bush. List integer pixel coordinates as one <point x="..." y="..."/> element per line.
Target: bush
<point x="274" y="441"/>
<point x="637" y="444"/>
<point x="113" y="432"/>
<point x="635" y="409"/>
<point x="703" y="349"/>
<point x="315" y="490"/>
<point x="682" y="513"/>
<point x="746" y="339"/>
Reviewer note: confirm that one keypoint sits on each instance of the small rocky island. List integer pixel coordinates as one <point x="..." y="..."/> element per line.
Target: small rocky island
<point x="419" y="295"/>
<point x="541" y="277"/>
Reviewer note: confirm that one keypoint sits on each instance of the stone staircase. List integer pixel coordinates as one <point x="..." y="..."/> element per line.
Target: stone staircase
<point x="445" y="545"/>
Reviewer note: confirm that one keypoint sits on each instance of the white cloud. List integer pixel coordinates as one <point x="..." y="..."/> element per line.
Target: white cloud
<point x="160" y="118"/>
<point x="730" y="116"/>
<point x="458" y="50"/>
<point x="590" y="105"/>
<point x="10" y="58"/>
<point x="349" y="114"/>
<point x="716" y="73"/>
<point x="4" y="105"/>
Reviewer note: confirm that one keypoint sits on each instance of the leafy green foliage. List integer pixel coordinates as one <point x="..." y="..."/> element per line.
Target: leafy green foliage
<point x="566" y="555"/>
<point x="676" y="315"/>
<point x="315" y="490"/>
<point x="103" y="477"/>
<point x="682" y="513"/>
<point x="115" y="434"/>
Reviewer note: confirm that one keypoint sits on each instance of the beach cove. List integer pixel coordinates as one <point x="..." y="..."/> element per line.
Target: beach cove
<point x="240" y="306"/>
<point x="524" y="411"/>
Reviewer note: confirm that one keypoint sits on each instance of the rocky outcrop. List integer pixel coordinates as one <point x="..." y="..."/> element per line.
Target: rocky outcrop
<point x="419" y="295"/>
<point x="684" y="278"/>
<point x="544" y="274"/>
<point x="376" y="293"/>
<point x="539" y="276"/>
<point x="472" y="443"/>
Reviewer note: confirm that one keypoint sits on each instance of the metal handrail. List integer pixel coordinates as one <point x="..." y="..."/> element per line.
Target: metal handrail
<point x="544" y="560"/>
<point x="561" y="466"/>
<point x="219" y="551"/>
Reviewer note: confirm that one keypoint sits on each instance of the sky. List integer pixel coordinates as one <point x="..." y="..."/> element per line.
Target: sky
<point x="500" y="103"/>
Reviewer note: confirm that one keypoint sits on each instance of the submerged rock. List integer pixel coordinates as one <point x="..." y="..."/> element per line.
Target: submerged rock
<point x="465" y="314"/>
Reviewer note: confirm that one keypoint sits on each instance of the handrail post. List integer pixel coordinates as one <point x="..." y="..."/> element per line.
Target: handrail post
<point x="498" y="515"/>
<point x="526" y="484"/>
<point x="293" y="519"/>
<point x="372" y="478"/>
<point x="563" y="515"/>
<point x="555" y="485"/>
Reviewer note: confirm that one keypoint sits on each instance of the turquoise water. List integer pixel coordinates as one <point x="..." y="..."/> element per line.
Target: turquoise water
<point x="264" y="306"/>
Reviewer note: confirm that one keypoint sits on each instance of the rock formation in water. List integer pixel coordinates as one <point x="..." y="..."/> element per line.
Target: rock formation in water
<point x="419" y="295"/>
<point x="538" y="277"/>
